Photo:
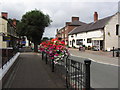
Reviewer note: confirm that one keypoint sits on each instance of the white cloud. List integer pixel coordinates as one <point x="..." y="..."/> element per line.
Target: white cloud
<point x="61" y="11"/>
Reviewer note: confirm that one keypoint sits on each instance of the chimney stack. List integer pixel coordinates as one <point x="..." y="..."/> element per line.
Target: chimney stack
<point x="14" y="22"/>
<point x="4" y="14"/>
<point x="75" y="19"/>
<point x="57" y="30"/>
<point x="95" y="16"/>
<point x="68" y="23"/>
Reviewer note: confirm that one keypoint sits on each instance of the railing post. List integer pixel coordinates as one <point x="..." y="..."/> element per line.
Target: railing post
<point x="42" y="55"/>
<point x="67" y="72"/>
<point x="46" y="58"/>
<point x="52" y="65"/>
<point x="113" y="52"/>
<point x="87" y="74"/>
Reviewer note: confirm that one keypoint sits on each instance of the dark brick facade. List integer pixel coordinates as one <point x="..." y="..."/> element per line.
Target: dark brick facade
<point x="63" y="32"/>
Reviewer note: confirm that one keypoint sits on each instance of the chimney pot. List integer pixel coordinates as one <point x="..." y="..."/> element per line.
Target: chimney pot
<point x="4" y="14"/>
<point x="95" y="16"/>
<point x="75" y="19"/>
<point x="68" y="23"/>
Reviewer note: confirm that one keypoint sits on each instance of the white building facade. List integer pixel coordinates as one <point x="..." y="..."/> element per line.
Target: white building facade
<point x="86" y="38"/>
<point x="102" y="34"/>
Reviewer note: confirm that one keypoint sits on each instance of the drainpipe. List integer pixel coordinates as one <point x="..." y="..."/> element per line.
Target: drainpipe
<point x="104" y="39"/>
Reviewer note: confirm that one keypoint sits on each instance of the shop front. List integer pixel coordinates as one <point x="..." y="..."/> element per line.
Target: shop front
<point x="97" y="43"/>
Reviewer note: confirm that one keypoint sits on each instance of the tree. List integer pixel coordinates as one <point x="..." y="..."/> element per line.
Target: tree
<point x="33" y="25"/>
<point x="20" y="29"/>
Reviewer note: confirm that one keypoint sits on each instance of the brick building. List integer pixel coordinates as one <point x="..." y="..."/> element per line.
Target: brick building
<point x="69" y="26"/>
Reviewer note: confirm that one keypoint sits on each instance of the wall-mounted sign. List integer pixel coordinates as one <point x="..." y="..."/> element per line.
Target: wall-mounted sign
<point x="6" y="38"/>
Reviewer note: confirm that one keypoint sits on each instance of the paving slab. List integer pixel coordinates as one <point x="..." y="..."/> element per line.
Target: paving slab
<point x="32" y="72"/>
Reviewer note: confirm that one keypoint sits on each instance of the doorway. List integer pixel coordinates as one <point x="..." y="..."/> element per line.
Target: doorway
<point x="101" y="44"/>
<point x="73" y="41"/>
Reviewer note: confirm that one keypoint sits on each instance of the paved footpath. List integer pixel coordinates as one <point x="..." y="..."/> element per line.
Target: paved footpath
<point x="96" y="58"/>
<point x="32" y="72"/>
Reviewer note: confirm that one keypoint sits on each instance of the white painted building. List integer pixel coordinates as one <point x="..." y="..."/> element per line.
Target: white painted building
<point x="103" y="33"/>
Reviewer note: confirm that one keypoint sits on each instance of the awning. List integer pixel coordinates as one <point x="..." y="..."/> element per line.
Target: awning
<point x="97" y="38"/>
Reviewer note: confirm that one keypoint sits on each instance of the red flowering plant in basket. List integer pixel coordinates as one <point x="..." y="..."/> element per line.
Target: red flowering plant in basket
<point x="55" y="48"/>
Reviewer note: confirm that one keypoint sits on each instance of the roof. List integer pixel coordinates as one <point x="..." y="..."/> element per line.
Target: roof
<point x="91" y="26"/>
<point x="76" y="23"/>
<point x="9" y="21"/>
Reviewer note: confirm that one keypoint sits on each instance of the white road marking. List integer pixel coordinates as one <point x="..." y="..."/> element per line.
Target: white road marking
<point x="95" y="61"/>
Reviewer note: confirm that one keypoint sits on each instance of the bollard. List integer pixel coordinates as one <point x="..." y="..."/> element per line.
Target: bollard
<point x="52" y="65"/>
<point x="117" y="54"/>
<point x="87" y="74"/>
<point x="113" y="52"/>
<point x="46" y="58"/>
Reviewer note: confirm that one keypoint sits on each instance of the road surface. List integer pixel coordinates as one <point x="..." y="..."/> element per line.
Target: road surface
<point x="102" y="75"/>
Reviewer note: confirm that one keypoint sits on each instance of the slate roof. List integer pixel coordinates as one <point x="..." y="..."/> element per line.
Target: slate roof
<point x="9" y="22"/>
<point x="76" y="23"/>
<point x="91" y="26"/>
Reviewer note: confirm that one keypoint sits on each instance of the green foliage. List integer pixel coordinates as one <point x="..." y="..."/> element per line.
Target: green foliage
<point x="89" y="47"/>
<point x="33" y="24"/>
<point x="20" y="29"/>
<point x="83" y="45"/>
<point x="45" y="38"/>
<point x="74" y="47"/>
<point x="51" y="38"/>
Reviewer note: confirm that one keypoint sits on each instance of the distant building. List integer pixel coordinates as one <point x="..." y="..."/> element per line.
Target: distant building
<point x="8" y="36"/>
<point x="63" y="32"/>
<point x="102" y="34"/>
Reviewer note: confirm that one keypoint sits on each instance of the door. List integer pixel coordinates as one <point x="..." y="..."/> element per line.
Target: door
<point x="101" y="44"/>
<point x="73" y="41"/>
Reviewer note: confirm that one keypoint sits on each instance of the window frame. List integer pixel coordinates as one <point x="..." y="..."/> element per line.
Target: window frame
<point x="90" y="40"/>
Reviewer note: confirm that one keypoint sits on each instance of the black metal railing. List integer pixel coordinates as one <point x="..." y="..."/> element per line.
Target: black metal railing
<point x="76" y="75"/>
<point x="7" y="54"/>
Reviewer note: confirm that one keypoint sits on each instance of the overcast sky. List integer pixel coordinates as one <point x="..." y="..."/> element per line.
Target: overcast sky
<point x="60" y="11"/>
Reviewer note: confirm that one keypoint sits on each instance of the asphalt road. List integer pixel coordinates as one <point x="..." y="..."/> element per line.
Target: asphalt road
<point x="102" y="75"/>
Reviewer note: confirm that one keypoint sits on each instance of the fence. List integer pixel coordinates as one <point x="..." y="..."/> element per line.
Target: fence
<point x="7" y="54"/>
<point x="76" y="75"/>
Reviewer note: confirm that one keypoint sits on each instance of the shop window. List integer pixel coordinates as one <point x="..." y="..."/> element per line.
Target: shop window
<point x="79" y="42"/>
<point x="72" y="36"/>
<point x="89" y="40"/>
